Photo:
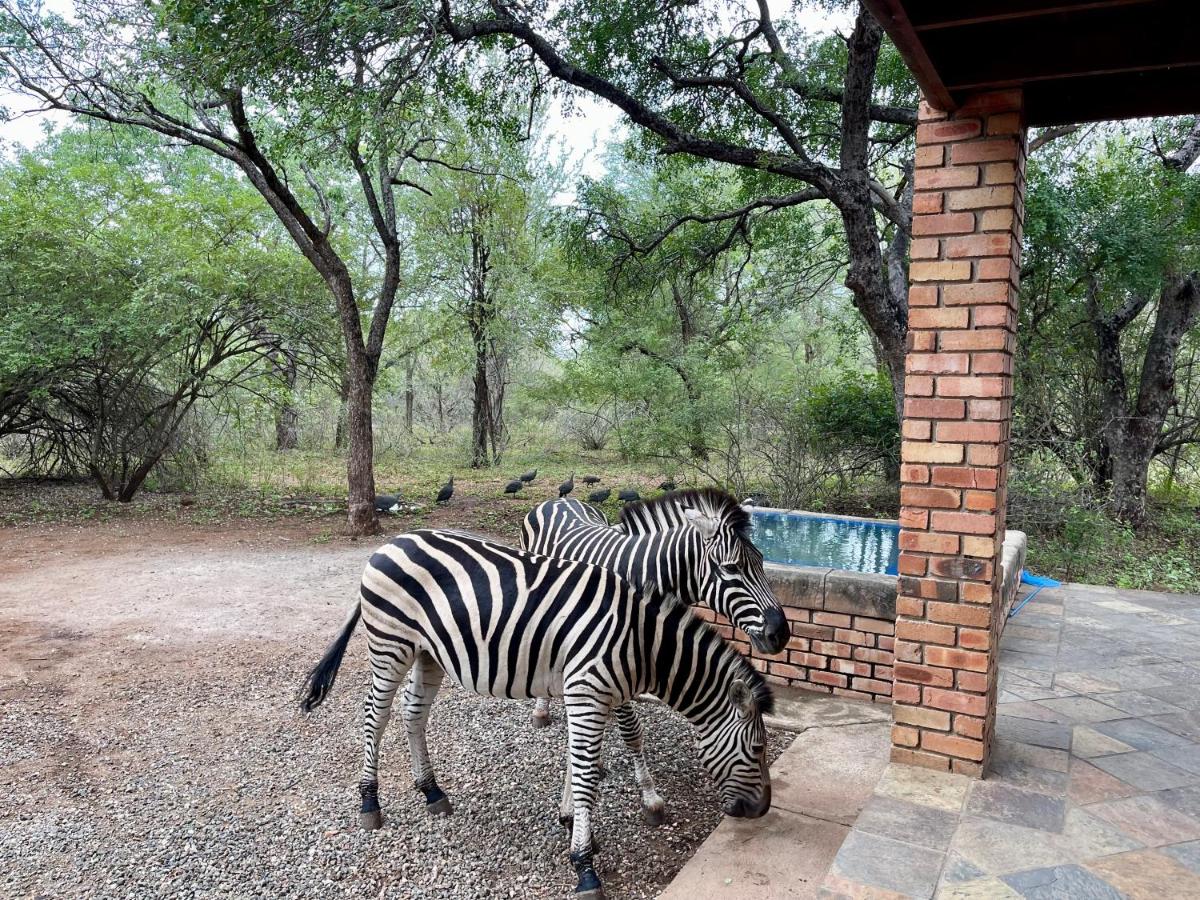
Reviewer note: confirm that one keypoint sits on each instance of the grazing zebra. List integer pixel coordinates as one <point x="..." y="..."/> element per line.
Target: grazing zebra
<point x="692" y="544"/>
<point x="507" y="623"/>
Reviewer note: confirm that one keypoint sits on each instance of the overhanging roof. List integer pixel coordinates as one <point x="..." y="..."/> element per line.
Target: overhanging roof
<point x="1077" y="60"/>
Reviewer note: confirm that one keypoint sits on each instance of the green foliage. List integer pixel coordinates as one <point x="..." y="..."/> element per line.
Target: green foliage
<point x="855" y="415"/>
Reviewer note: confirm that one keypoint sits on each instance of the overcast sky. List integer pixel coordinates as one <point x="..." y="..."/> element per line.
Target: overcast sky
<point x="584" y="133"/>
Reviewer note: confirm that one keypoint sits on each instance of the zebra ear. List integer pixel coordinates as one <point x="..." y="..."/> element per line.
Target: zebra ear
<point x="707" y="525"/>
<point x="742" y="698"/>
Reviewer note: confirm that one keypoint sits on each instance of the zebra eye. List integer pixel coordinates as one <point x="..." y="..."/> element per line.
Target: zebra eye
<point x="729" y="568"/>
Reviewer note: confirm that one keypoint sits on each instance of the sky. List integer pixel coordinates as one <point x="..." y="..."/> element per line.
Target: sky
<point x="584" y="132"/>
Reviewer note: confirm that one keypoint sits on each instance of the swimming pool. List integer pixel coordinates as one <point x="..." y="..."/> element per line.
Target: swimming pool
<point x="835" y="542"/>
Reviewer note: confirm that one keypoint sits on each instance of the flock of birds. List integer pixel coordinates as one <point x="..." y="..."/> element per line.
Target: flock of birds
<point x="391" y="502"/>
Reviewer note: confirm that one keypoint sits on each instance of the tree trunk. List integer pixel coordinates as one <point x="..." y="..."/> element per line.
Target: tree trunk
<point x="409" y="396"/>
<point x="480" y="408"/>
<point x="287" y="417"/>
<point x="340" y="435"/>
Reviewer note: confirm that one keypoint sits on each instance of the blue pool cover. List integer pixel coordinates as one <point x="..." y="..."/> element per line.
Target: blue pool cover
<point x="802" y="539"/>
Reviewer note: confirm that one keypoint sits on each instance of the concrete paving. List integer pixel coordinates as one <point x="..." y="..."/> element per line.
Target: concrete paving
<point x="819" y="785"/>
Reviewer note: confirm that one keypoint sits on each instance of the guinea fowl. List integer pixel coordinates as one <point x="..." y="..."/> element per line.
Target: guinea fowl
<point x="629" y="495"/>
<point x="566" y="487"/>
<point x="590" y="479"/>
<point x="387" y="503"/>
<point x="528" y="476"/>
<point x="447" y="491"/>
<point x="667" y="486"/>
<point x="513" y="486"/>
<point x="599" y="496"/>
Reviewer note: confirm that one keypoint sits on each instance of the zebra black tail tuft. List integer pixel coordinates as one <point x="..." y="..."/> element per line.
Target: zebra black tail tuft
<point x="320" y="680"/>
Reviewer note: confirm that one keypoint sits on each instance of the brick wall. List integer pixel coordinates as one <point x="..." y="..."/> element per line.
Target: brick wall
<point x="842" y="632"/>
<point x="968" y="207"/>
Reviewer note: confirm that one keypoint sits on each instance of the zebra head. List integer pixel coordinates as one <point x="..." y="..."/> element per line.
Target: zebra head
<point x="731" y="577"/>
<point x="733" y="746"/>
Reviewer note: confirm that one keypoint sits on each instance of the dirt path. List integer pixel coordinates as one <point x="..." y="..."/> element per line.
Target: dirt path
<point x="149" y="743"/>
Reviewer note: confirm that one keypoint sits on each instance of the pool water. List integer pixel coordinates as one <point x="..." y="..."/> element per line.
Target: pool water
<point x="800" y="539"/>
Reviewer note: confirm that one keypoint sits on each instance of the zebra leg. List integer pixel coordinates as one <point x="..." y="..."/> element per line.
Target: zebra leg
<point x="586" y="719"/>
<point x="387" y="671"/>
<point x="423" y="683"/>
<point x="630" y="726"/>
<point x="541" y="712"/>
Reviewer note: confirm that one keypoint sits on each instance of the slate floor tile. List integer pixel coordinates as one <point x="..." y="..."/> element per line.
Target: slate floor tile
<point x="1031" y="778"/>
<point x="1185" y="799"/>
<point x="1042" y="757"/>
<point x="885" y="863"/>
<point x="1083" y="710"/>
<point x="1184" y="724"/>
<point x="1137" y="703"/>
<point x="1061" y="883"/>
<point x="1148" y="820"/>
<point x="1145" y="771"/>
<point x="1188" y="854"/>
<point x="995" y="800"/>
<point x="977" y="889"/>
<point x="1088" y="784"/>
<point x="1086" y="682"/>
<point x="999" y="848"/>
<point x="1087" y="742"/>
<point x="1147" y="875"/>
<point x="1183" y="757"/>
<point x="1085" y="837"/>
<point x="940" y="790"/>
<point x="900" y="820"/>
<point x="1182" y="696"/>
<point x="1141" y="734"/>
<point x="1040" y="734"/>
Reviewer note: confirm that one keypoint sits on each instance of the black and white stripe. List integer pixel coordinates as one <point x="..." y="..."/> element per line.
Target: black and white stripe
<point x="509" y="623"/>
<point x="692" y="544"/>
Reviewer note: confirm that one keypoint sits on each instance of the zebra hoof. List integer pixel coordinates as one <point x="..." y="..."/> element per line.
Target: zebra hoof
<point x="654" y="815"/>
<point x="440" y="807"/>
<point x="371" y="821"/>
<point x="540" y="720"/>
<point x="589" y="894"/>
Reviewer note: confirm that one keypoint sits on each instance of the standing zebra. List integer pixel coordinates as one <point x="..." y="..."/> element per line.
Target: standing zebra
<point x="692" y="544"/>
<point x="508" y="623"/>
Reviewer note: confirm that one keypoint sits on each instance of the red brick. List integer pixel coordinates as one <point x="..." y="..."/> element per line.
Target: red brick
<point x="999" y="173"/>
<point x="916" y="519"/>
<point x="930" y="452"/>
<point x="980" y="501"/>
<point x="930" y="155"/>
<point x="811" y="660"/>
<point x="916" y="429"/>
<point x="885" y="673"/>
<point x="970" y="769"/>
<point x="886" y="643"/>
<point x="975" y="638"/>
<point x="906" y="693"/>
<point x="871" y="685"/>
<point x="996" y="220"/>
<point x="937" y="317"/>
<point x="922" y="717"/>
<point x="881" y="657"/>
<point x="972" y="681"/>
<point x="849" y="667"/>
<point x="968" y="726"/>
<point x="925" y="632"/>
<point x="958" y="614"/>
<point x="925" y="248"/>
<point x="934" y="408"/>
<point x="961" y="567"/>
<point x="985" y="455"/>
<point x="928" y="113"/>
<point x="975" y="592"/>
<point x="829" y="678"/>
<point x="923" y="674"/>
<point x="997" y="316"/>
<point x="991" y="150"/>
<point x="927" y="203"/>
<point x="908" y="757"/>
<point x="975" y="293"/>
<point x="955" y="658"/>
<point x="914" y="474"/>
<point x="938" y="363"/>
<point x="978" y="245"/>
<point x="976" y="339"/>
<point x="815" y="632"/>
<point x="989" y="410"/>
<point x="874" y="626"/>
<point x="969" y="432"/>
<point x="903" y="736"/>
<point x="989" y="103"/>
<point x="910" y="606"/>
<point x="918" y="386"/>
<point x="911" y="564"/>
<point x="928" y="542"/>
<point x="921" y="341"/>
<point x="979" y="546"/>
<point x="939" y="270"/>
<point x="962" y="476"/>
<point x="999" y="268"/>
<point x="927" y="179"/>
<point x="948" y="130"/>
<point x="970" y="386"/>
<point x="783" y="670"/>
<point x="828" y="648"/>
<point x="991" y="364"/>
<point x="836" y="620"/>
<point x="955" y="701"/>
<point x="934" y="497"/>
<point x="908" y="651"/>
<point x="1004" y="123"/>
<point x="945" y="223"/>
<point x="964" y="748"/>
<point x="981" y="198"/>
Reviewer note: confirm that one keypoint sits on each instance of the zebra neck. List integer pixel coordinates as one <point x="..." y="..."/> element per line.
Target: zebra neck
<point x="668" y="558"/>
<point x="688" y="664"/>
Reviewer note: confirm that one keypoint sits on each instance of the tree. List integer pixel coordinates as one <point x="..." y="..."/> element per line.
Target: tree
<point x="138" y="282"/>
<point x="278" y="91"/>
<point x="761" y="97"/>
<point x="1112" y="290"/>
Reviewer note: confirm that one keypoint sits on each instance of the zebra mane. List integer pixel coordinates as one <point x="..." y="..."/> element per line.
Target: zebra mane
<point x="666" y="511"/>
<point x="764" y="698"/>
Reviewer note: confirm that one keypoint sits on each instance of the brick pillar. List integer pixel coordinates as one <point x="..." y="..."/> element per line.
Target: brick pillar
<point x="967" y="214"/>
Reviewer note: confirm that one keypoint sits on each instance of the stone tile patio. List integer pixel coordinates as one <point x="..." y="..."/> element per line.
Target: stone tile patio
<point x="1094" y="790"/>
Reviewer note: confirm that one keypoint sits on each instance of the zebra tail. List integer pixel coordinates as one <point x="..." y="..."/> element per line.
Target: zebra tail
<point x="320" y="680"/>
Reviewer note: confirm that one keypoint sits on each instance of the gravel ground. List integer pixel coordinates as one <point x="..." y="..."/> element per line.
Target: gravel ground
<point x="149" y="743"/>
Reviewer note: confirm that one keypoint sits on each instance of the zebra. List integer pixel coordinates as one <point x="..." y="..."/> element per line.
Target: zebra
<point x="508" y="623"/>
<point x="692" y="544"/>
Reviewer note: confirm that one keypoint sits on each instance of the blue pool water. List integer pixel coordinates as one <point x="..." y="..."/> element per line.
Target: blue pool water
<point x="810" y="540"/>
